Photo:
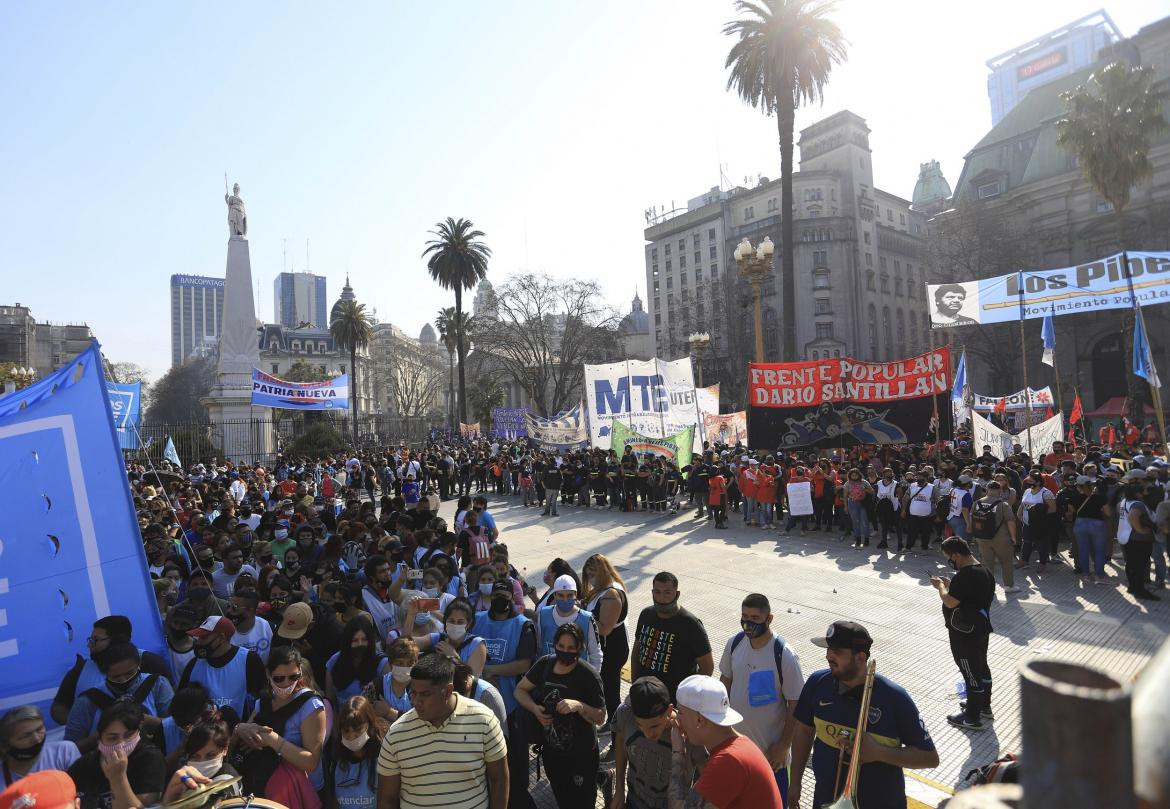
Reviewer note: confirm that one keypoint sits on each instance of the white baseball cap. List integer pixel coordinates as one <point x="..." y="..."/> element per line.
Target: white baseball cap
<point x="564" y="583"/>
<point x="707" y="696"/>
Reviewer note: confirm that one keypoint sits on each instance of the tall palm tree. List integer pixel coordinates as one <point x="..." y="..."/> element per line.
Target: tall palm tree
<point x="352" y="330"/>
<point x="457" y="259"/>
<point x="449" y="325"/>
<point x="781" y="60"/>
<point x="1109" y="124"/>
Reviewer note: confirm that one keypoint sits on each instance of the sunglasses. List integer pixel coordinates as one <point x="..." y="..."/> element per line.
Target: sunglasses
<point x="277" y="679"/>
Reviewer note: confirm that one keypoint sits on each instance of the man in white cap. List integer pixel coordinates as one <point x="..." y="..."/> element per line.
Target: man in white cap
<point x="563" y="609"/>
<point x="736" y="776"/>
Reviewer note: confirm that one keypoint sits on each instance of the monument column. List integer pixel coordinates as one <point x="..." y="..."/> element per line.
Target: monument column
<point x="242" y="432"/>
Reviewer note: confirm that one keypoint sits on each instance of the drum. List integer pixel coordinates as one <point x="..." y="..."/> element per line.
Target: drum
<point x="192" y="799"/>
<point x="246" y="802"/>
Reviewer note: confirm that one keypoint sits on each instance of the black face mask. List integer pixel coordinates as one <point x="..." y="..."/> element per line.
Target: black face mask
<point x="566" y="658"/>
<point x="120" y="688"/>
<point x="235" y="617"/>
<point x="26" y="753"/>
<point x="199" y="593"/>
<point x="501" y="603"/>
<point x="202" y="652"/>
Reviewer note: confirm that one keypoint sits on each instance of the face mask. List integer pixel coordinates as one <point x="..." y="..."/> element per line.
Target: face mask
<point x="199" y="593"/>
<point x="356" y="743"/>
<point x="126" y="747"/>
<point x="202" y="652"/>
<point x="282" y="533"/>
<point x="400" y="674"/>
<point x="207" y="768"/>
<point x="485" y="589"/>
<point x="566" y="658"/>
<point x="501" y="603"/>
<point x="456" y="632"/>
<point x="667" y="609"/>
<point x="565" y="606"/>
<point x="172" y="598"/>
<point x="283" y="691"/>
<point x="431" y="592"/>
<point x="26" y="753"/>
<point x="753" y="629"/>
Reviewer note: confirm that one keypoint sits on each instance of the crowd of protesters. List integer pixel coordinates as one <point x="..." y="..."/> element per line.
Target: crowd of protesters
<point x="325" y="627"/>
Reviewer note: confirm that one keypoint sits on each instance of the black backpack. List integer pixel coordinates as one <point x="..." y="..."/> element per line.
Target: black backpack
<point x="984" y="524"/>
<point x="138" y="696"/>
<point x="257" y="766"/>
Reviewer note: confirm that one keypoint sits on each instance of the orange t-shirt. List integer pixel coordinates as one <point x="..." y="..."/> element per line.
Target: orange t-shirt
<point x="716" y="486"/>
<point x="765" y="488"/>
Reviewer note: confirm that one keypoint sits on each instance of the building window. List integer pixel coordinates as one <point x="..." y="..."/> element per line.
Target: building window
<point x="873" y="332"/>
<point x="749" y="213"/>
<point x="698" y="256"/>
<point x="711" y="234"/>
<point x="670" y="282"/>
<point x="869" y="259"/>
<point x="987" y="190"/>
<point x="698" y="274"/>
<point x="820" y="279"/>
<point x="885" y="280"/>
<point x="275" y="368"/>
<point x="695" y="239"/>
<point x="669" y="267"/>
<point x="653" y="253"/>
<point x="824" y="331"/>
<point x="713" y="251"/>
<point x="865" y="236"/>
<point x="913" y="333"/>
<point x="901" y="334"/>
<point x="654" y="268"/>
<point x="657" y="319"/>
<point x="682" y="260"/>
<point x="772" y="206"/>
<point x="820" y="258"/>
<point x="682" y="245"/>
<point x="714" y="270"/>
<point x="682" y="278"/>
<point x="887" y="329"/>
<point x="882" y="263"/>
<point x="813" y="214"/>
<point x="308" y="348"/>
<point x="869" y="281"/>
<point x="902" y="218"/>
<point x="898" y="285"/>
<point x="655" y="284"/>
<point x="823" y="307"/>
<point x="667" y="247"/>
<point x="816" y="355"/>
<point x="890" y="214"/>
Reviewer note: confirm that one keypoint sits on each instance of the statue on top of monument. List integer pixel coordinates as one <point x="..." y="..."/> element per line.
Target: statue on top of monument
<point x="237" y="217"/>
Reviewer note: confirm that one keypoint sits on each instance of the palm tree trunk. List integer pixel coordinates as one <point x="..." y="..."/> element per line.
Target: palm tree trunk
<point x="353" y="392"/>
<point x="451" y="391"/>
<point x="462" y="355"/>
<point x="785" y="121"/>
<point x="1135" y="386"/>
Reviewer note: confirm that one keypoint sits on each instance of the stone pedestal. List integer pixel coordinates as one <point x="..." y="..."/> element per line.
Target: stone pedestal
<point x="243" y="433"/>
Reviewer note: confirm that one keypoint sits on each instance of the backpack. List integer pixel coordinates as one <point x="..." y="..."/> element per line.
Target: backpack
<point x="104" y="700"/>
<point x="984" y="524"/>
<point x="257" y="766"/>
<point x="479" y="547"/>
<point x="353" y="553"/>
<point x="777" y="650"/>
<point x="1004" y="770"/>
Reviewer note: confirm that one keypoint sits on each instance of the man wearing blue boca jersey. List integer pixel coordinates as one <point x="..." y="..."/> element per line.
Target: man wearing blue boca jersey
<point x="827" y="715"/>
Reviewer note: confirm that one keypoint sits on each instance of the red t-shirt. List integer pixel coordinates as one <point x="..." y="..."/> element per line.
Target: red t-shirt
<point x="737" y="776"/>
<point x="716" y="485"/>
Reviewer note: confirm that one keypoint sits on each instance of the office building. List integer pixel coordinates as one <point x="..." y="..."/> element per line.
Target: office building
<point x="1046" y="58"/>
<point x="44" y="347"/>
<point x="299" y="298"/>
<point x="196" y="316"/>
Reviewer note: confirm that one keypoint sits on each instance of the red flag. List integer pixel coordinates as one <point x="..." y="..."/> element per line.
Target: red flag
<point x="1076" y="411"/>
<point x="1001" y="406"/>
<point x="1048" y="414"/>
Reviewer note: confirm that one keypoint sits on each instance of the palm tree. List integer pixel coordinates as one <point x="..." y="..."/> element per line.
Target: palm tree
<point x="449" y="325"/>
<point x="352" y="330"/>
<point x="457" y="258"/>
<point x="782" y="59"/>
<point x="1108" y="127"/>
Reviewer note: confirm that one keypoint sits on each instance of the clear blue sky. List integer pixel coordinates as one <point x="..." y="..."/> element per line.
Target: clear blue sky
<point x="359" y="125"/>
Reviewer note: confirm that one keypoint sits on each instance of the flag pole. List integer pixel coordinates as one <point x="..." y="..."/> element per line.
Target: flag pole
<point x="1082" y="419"/>
<point x="1024" y="361"/>
<point x="1155" y="393"/>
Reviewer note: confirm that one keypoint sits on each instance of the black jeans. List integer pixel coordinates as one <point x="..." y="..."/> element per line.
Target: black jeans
<point x="616" y="651"/>
<point x="518" y="767"/>
<point x="1137" y="564"/>
<point x="920" y="528"/>
<point x="573" y="777"/>
<point x="970" y="653"/>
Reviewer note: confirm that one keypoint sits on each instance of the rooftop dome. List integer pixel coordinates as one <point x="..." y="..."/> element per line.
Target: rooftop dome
<point x="637" y="321"/>
<point x="346" y="295"/>
<point x="485" y="284"/>
<point x="931" y="187"/>
<point x="427" y="335"/>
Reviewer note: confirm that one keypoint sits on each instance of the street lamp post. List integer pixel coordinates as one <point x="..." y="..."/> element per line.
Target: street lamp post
<point x="755" y="264"/>
<point x="699" y="342"/>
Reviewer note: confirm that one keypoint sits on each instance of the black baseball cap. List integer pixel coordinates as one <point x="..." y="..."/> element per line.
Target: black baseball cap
<point x="845" y="635"/>
<point x="649" y="698"/>
<point x="502" y="586"/>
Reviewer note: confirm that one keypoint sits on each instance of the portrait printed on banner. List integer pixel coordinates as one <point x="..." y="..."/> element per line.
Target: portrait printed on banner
<point x="955" y="305"/>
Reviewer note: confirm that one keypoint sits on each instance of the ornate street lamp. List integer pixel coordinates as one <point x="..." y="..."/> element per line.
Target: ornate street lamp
<point x="699" y="341"/>
<point x="755" y="264"/>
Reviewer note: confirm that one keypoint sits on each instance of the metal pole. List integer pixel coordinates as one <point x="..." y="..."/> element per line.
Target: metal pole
<point x="1061" y="705"/>
<point x="759" y="317"/>
<point x="1155" y="394"/>
<point x="1024" y="363"/>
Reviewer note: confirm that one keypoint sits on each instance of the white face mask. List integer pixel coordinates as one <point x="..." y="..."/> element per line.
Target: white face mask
<point x="456" y="632"/>
<point x="209" y="767"/>
<point x="400" y="674"/>
<point x="356" y="743"/>
<point x="283" y="691"/>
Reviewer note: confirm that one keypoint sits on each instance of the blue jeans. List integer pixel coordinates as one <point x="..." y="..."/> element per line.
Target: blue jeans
<point x="958" y="526"/>
<point x="782" y="783"/>
<point x="749" y="509"/>
<point x="1159" y="561"/>
<point x="859" y="518"/>
<point x="765" y="512"/>
<point x="1092" y="543"/>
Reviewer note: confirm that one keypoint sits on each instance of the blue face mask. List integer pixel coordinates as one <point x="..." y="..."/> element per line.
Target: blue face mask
<point x="485" y="589"/>
<point x="565" y="606"/>
<point x="753" y="629"/>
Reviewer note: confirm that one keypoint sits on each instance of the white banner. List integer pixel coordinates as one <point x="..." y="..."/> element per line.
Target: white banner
<point x="1041" y="398"/>
<point x="800" y="502"/>
<point x="1043" y="435"/>
<point x="653" y="397"/>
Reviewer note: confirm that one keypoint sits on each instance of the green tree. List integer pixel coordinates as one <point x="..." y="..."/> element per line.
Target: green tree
<point x="352" y="330"/>
<point x="486" y="396"/>
<point x="449" y="325"/>
<point x="304" y="371"/>
<point x="1109" y="123"/>
<point x="782" y="59"/>
<point x="457" y="259"/>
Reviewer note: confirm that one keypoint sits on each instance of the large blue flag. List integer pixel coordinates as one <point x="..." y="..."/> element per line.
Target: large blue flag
<point x="71" y="549"/>
<point x="1143" y="358"/>
<point x="1048" y="335"/>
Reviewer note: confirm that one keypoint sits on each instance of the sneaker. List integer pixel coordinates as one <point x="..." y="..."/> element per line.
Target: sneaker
<point x="1013" y="589"/>
<point x="1146" y="595"/>
<point x="983" y="714"/>
<point x="963" y="722"/>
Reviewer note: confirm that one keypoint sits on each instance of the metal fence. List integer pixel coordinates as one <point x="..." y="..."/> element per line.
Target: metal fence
<point x="261" y="440"/>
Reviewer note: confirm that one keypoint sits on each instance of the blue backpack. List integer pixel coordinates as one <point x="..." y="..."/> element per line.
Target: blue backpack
<point x="777" y="650"/>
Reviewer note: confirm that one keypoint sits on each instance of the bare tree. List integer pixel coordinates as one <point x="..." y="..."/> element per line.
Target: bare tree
<point x="722" y="308"/>
<point x="409" y="375"/>
<point x="547" y="329"/>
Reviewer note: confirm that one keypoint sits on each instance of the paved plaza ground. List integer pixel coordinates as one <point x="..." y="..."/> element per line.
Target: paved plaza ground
<point x="816" y="579"/>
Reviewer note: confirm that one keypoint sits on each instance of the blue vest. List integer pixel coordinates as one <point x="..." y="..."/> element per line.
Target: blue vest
<point x="227" y="685"/>
<point x="400" y="704"/>
<point x="548" y="629"/>
<point x="355" y="685"/>
<point x="173" y="735"/>
<point x="351" y="784"/>
<point x="502" y="638"/>
<point x="466" y="650"/>
<point x="89" y="678"/>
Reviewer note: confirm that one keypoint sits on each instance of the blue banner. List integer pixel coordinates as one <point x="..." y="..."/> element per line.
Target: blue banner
<point x="508" y="422"/>
<point x="126" y="405"/>
<point x="71" y="552"/>
<point x="268" y="391"/>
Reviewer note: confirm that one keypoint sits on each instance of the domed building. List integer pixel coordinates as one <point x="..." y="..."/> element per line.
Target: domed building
<point x="932" y="192"/>
<point x="485" y="304"/>
<point x="427" y="336"/>
<point x="634" y="331"/>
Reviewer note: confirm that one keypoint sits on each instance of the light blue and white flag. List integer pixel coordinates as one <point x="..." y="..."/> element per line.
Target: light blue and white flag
<point x="1143" y="357"/>
<point x="171" y="454"/>
<point x="960" y="392"/>
<point x="1048" y="334"/>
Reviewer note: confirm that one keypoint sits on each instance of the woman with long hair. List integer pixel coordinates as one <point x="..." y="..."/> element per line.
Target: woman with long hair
<point x="556" y="568"/>
<point x="356" y="667"/>
<point x="605" y="597"/>
<point x="455" y="641"/>
<point x="205" y="751"/>
<point x="353" y="778"/>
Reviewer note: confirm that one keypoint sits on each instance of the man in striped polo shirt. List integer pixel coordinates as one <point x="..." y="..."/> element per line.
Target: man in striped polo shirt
<point x="447" y="750"/>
